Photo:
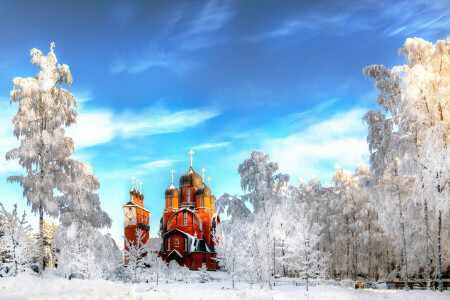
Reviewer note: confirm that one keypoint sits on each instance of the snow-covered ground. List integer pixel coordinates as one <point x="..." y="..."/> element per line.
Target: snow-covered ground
<point x="27" y="286"/>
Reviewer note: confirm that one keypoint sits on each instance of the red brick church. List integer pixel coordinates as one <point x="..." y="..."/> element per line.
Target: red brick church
<point x="187" y="225"/>
<point x="188" y="222"/>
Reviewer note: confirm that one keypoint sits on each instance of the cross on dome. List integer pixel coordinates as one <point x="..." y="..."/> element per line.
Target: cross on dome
<point x="209" y="181"/>
<point x="140" y="187"/>
<point x="190" y="153"/>
<point x="172" y="172"/>
<point x="132" y="182"/>
<point x="203" y="173"/>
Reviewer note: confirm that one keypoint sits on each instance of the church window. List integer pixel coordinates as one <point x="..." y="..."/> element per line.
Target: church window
<point x="170" y="202"/>
<point x="189" y="195"/>
<point x="185" y="219"/>
<point x="177" y="243"/>
<point x="185" y="244"/>
<point x="203" y="202"/>
<point x="168" y="244"/>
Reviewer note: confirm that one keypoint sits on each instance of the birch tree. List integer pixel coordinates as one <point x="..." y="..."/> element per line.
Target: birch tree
<point x="45" y="108"/>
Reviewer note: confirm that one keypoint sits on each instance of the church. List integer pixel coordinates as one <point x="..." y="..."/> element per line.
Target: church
<point x="189" y="221"/>
<point x="187" y="224"/>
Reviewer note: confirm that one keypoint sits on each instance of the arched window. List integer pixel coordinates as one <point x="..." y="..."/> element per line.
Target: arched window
<point x="188" y="195"/>
<point x="168" y="243"/>
<point x="185" y="244"/>
<point x="170" y="202"/>
<point x="185" y="218"/>
<point x="203" y="202"/>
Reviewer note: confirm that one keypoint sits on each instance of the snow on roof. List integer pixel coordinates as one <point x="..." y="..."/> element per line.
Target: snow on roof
<point x="131" y="203"/>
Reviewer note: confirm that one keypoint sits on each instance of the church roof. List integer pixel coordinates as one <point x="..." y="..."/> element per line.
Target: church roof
<point x="131" y="203"/>
<point x="190" y="178"/>
<point x="194" y="244"/>
<point x="172" y="192"/>
<point x="203" y="191"/>
<point x="201" y="245"/>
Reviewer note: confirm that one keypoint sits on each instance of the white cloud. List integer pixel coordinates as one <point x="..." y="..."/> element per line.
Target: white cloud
<point x="210" y="146"/>
<point x="158" y="164"/>
<point x="100" y="126"/>
<point x="7" y="140"/>
<point x="157" y="121"/>
<point x="315" y="150"/>
<point x="93" y="127"/>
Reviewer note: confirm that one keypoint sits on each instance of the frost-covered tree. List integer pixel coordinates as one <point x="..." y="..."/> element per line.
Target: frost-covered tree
<point x="204" y="276"/>
<point x="158" y="267"/>
<point x="135" y="253"/>
<point x="81" y="217"/>
<point x="16" y="241"/>
<point x="301" y="251"/>
<point x="45" y="108"/>
<point x="230" y="242"/>
<point x="417" y="96"/>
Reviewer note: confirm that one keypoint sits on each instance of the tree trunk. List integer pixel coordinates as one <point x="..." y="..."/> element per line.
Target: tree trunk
<point x="441" y="288"/>
<point x="405" y="261"/>
<point x="41" y="240"/>
<point x="427" y="259"/>
<point x="307" y="282"/>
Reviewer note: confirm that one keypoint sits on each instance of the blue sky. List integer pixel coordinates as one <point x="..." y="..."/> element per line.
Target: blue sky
<point x="155" y="79"/>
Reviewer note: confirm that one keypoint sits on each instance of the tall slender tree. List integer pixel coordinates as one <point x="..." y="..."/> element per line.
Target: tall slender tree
<point x="45" y="108"/>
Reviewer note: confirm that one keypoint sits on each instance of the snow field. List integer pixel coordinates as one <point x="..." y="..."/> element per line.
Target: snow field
<point x="28" y="286"/>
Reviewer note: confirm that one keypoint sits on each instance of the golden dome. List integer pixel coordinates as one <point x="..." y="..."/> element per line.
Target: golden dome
<point x="172" y="192"/>
<point x="203" y="191"/>
<point x="213" y="198"/>
<point x="190" y="178"/>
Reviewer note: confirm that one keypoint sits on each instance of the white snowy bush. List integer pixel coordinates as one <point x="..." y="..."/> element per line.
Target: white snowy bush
<point x="16" y="242"/>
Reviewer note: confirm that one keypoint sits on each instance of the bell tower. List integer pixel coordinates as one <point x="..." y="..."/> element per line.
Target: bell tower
<point x="135" y="215"/>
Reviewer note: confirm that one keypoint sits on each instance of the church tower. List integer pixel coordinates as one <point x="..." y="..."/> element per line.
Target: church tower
<point x="189" y="221"/>
<point x="135" y="215"/>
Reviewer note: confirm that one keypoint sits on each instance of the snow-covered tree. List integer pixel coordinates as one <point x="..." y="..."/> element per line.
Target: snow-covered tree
<point x="301" y="251"/>
<point x="135" y="253"/>
<point x="158" y="267"/>
<point x="174" y="269"/>
<point x="204" y="276"/>
<point x="81" y="217"/>
<point x="230" y="242"/>
<point x="16" y="242"/>
<point x="417" y="96"/>
<point x="44" y="109"/>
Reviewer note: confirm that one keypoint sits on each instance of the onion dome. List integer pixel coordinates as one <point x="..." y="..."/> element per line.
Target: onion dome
<point x="213" y="198"/>
<point x="190" y="178"/>
<point x="203" y="191"/>
<point x="172" y="192"/>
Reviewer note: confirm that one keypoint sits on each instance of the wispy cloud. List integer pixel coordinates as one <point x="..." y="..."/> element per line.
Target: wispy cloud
<point x="139" y="170"/>
<point x="346" y="18"/>
<point x="211" y="146"/>
<point x="193" y="33"/>
<point x="340" y="139"/>
<point x="152" y="122"/>
<point x="8" y="140"/>
<point x="158" y="164"/>
<point x="100" y="126"/>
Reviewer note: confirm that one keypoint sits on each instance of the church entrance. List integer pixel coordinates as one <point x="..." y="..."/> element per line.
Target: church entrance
<point x="175" y="255"/>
